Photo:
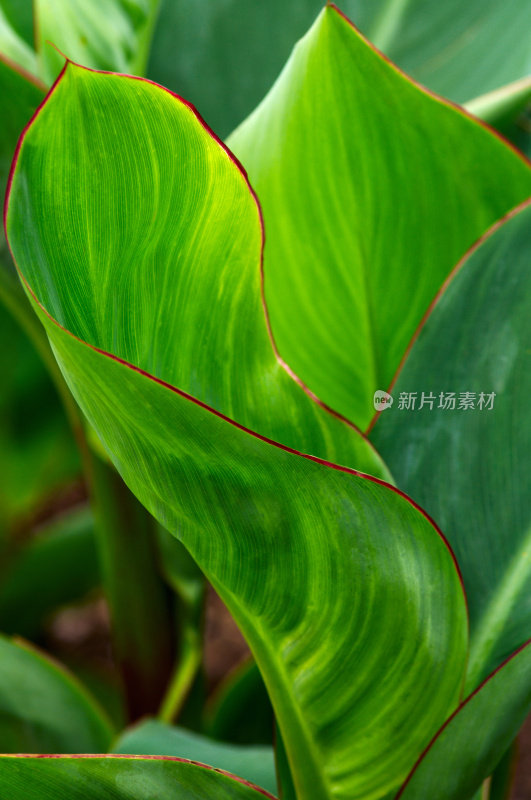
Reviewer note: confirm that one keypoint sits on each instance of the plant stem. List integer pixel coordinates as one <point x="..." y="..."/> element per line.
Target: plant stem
<point x="183" y="676"/>
<point x="137" y="598"/>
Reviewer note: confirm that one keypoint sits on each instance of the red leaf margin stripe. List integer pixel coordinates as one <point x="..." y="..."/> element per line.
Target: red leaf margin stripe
<point x="456" y="712"/>
<point x="460" y="264"/>
<point x="89" y="756"/>
<point x="169" y="386"/>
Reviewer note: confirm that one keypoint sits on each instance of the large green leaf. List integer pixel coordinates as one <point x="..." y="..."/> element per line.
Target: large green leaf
<point x="343" y="150"/>
<point x="255" y="764"/>
<point x="43" y="709"/>
<point x="235" y="368"/>
<point x="470" y="468"/>
<point x="109" y="34"/>
<point x="118" y="778"/>
<point x="347" y="594"/>
<point x="469" y="746"/>
<point x="225" y="54"/>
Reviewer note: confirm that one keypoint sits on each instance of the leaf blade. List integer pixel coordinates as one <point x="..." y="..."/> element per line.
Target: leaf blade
<point x="223" y="489"/>
<point x="332" y="174"/>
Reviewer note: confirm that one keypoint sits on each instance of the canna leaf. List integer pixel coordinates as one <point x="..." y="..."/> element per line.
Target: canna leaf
<point x="109" y="34"/>
<point x="314" y="561"/>
<point x="468" y="747"/>
<point x="151" y="236"/>
<point x="118" y="778"/>
<point x="225" y="54"/>
<point x="43" y="709"/>
<point x="342" y="149"/>
<point x="253" y="763"/>
<point x="460" y="51"/>
<point x="470" y="468"/>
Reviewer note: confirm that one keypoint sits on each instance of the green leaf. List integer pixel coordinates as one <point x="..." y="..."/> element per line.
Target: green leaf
<point x="58" y="566"/>
<point x="43" y="709"/>
<point x="109" y="34"/>
<point x="118" y="778"/>
<point x="468" y="748"/>
<point x="236" y="369"/>
<point x="459" y="50"/>
<point x="19" y="14"/>
<point x="225" y="54"/>
<point x="21" y="97"/>
<point x="228" y="714"/>
<point x="508" y="110"/>
<point x="336" y="164"/>
<point x="346" y="592"/>
<point x="470" y="468"/>
<point x="14" y="47"/>
<point x="255" y="764"/>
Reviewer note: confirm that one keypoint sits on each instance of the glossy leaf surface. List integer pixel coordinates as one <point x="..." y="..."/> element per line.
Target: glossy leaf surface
<point x="333" y="174"/>
<point x="468" y="748"/>
<point x="225" y="54"/>
<point x="470" y="467"/>
<point x="43" y="709"/>
<point x="255" y="764"/>
<point x="118" y="778"/>
<point x="210" y="339"/>
<point x="314" y="561"/>
<point x="109" y="34"/>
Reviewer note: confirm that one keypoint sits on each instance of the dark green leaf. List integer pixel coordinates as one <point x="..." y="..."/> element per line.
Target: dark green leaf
<point x="43" y="709"/>
<point x="229" y="717"/>
<point x="470" y="468"/>
<point x="468" y="748"/>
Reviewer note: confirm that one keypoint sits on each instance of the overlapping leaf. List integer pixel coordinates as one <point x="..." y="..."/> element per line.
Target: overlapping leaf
<point x="251" y="762"/>
<point x="470" y="468"/>
<point x="109" y="34"/>
<point x="43" y="709"/>
<point x="225" y="54"/>
<point x="343" y="150"/>
<point x="468" y="748"/>
<point x="119" y="778"/>
<point x="346" y="593"/>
